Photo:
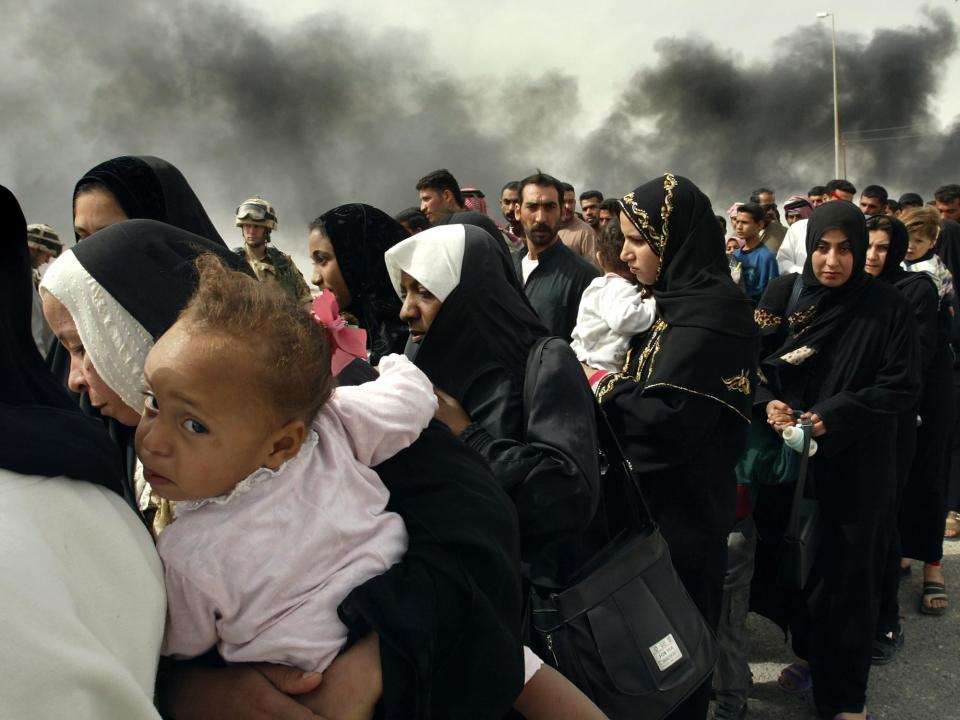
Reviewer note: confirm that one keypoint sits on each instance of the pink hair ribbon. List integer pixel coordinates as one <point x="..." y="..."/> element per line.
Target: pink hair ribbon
<point x="346" y="341"/>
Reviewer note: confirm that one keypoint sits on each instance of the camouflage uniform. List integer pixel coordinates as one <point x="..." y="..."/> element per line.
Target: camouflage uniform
<point x="279" y="268"/>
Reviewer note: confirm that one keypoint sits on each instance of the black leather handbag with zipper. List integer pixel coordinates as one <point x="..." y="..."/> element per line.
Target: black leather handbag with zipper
<point x="624" y="631"/>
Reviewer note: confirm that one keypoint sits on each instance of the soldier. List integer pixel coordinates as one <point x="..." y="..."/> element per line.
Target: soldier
<point x="256" y="218"/>
<point x="44" y="245"/>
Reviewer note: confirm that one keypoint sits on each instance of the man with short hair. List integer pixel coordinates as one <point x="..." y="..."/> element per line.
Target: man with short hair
<point x="759" y="265"/>
<point x="840" y="190"/>
<point x="909" y="200"/>
<point x="590" y="207"/>
<point x="891" y="207"/>
<point x="772" y="233"/>
<point x="793" y="251"/>
<point x="873" y="200"/>
<point x="553" y="276"/>
<point x="817" y="196"/>
<point x="509" y="205"/>
<point x="609" y="210"/>
<point x="574" y="232"/>
<point x="948" y="202"/>
<point x="439" y="195"/>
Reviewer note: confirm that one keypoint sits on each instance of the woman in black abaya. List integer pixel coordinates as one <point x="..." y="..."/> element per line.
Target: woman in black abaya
<point x="886" y="250"/>
<point x="82" y="585"/>
<point x="681" y="404"/>
<point x="137" y="187"/>
<point x="443" y="624"/>
<point x="346" y="246"/>
<point x="474" y="331"/>
<point x="847" y="358"/>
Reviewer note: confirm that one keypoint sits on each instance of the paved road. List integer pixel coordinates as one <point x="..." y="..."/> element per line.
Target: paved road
<point x="922" y="683"/>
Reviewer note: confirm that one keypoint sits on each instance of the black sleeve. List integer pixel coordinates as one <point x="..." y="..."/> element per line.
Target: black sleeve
<point x="923" y="298"/>
<point x="551" y="471"/>
<point x="448" y="614"/>
<point x="895" y="388"/>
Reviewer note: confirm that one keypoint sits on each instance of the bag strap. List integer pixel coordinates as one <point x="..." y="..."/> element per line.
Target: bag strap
<point x="534" y="361"/>
<point x="793" y="525"/>
<point x="792" y="302"/>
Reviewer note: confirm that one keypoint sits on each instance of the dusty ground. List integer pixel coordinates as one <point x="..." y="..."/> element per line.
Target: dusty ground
<point x="922" y="683"/>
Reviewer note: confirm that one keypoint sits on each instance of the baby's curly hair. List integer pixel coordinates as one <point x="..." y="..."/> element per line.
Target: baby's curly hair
<point x="293" y="358"/>
<point x="609" y="245"/>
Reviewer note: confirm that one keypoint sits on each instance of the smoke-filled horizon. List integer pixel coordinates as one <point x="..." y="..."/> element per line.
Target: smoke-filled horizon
<point x="325" y="112"/>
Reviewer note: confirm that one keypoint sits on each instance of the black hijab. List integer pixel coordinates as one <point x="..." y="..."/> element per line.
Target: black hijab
<point x="360" y="235"/>
<point x="44" y="433"/>
<point x="472" y="217"/>
<point x="150" y="188"/>
<point x="148" y="267"/>
<point x="485" y="322"/>
<point x="821" y="311"/>
<point x="693" y="286"/>
<point x="893" y="272"/>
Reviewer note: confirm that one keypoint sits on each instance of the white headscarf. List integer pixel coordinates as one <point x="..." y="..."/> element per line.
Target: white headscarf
<point x="116" y="343"/>
<point x="434" y="258"/>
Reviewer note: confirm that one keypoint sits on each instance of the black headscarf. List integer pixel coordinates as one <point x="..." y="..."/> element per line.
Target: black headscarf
<point x="821" y="311"/>
<point x="44" y="433"/>
<point x="150" y="188"/>
<point x="472" y="217"/>
<point x="693" y="286"/>
<point x="484" y="322"/>
<point x="148" y="267"/>
<point x="892" y="271"/>
<point x="360" y="235"/>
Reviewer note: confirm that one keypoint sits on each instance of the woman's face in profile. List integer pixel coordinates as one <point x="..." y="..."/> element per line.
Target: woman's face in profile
<point x="326" y="271"/>
<point x="832" y="259"/>
<point x="94" y="210"/>
<point x="637" y="253"/>
<point x="420" y="307"/>
<point x="83" y="375"/>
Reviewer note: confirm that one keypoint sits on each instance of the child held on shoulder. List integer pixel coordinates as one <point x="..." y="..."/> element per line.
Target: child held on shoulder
<point x="278" y="514"/>
<point x="612" y="310"/>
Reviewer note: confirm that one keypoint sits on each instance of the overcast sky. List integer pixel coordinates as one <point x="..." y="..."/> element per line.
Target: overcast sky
<point x="315" y="103"/>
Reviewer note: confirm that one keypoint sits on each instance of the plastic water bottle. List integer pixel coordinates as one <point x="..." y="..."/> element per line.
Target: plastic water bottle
<point x="793" y="439"/>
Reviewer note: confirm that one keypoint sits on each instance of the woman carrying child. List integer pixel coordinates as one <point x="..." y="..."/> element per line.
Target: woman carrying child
<point x="444" y="620"/>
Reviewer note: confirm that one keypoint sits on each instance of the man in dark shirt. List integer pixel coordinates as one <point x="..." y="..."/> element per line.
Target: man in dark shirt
<point x="553" y="276"/>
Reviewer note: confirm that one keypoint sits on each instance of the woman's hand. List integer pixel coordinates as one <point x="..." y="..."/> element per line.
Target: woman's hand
<point x="238" y="692"/>
<point x="818" y="427"/>
<point x="779" y="415"/>
<point x="451" y="413"/>
<point x="352" y="684"/>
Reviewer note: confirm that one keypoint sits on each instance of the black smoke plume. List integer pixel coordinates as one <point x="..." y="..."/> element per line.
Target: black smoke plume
<point x="326" y="112"/>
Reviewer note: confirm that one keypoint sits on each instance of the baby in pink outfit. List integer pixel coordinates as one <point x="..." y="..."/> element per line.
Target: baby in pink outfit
<point x="278" y="514"/>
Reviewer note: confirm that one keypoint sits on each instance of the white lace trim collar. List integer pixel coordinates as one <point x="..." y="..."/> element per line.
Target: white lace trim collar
<point x="255" y="478"/>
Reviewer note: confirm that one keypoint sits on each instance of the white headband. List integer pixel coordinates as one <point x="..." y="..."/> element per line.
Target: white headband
<point x="116" y="343"/>
<point x="434" y="258"/>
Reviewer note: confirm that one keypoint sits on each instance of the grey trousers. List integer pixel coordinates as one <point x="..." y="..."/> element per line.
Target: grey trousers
<point x="731" y="679"/>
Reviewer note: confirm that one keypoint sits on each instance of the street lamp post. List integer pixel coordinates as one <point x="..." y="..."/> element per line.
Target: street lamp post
<point x="836" y="106"/>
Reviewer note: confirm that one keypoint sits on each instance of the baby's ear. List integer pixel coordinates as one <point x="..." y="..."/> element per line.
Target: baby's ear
<point x="285" y="443"/>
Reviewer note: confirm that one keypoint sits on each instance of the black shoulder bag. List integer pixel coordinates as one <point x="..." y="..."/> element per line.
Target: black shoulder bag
<point x="625" y="631"/>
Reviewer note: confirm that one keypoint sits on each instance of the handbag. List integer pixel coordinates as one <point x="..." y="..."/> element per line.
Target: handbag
<point x="625" y="631"/>
<point x="801" y="539"/>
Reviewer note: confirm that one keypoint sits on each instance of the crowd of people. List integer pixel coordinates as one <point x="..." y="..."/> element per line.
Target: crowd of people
<point x="268" y="501"/>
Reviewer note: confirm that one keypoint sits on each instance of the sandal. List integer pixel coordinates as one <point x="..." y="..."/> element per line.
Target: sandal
<point x="795" y="678"/>
<point x="933" y="591"/>
<point x="952" y="528"/>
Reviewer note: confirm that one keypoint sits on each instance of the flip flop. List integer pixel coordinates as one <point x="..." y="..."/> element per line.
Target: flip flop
<point x="795" y="678"/>
<point x="932" y="590"/>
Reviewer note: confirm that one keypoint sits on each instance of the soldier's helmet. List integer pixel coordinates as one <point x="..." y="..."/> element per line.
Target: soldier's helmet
<point x="257" y="211"/>
<point x="42" y="237"/>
